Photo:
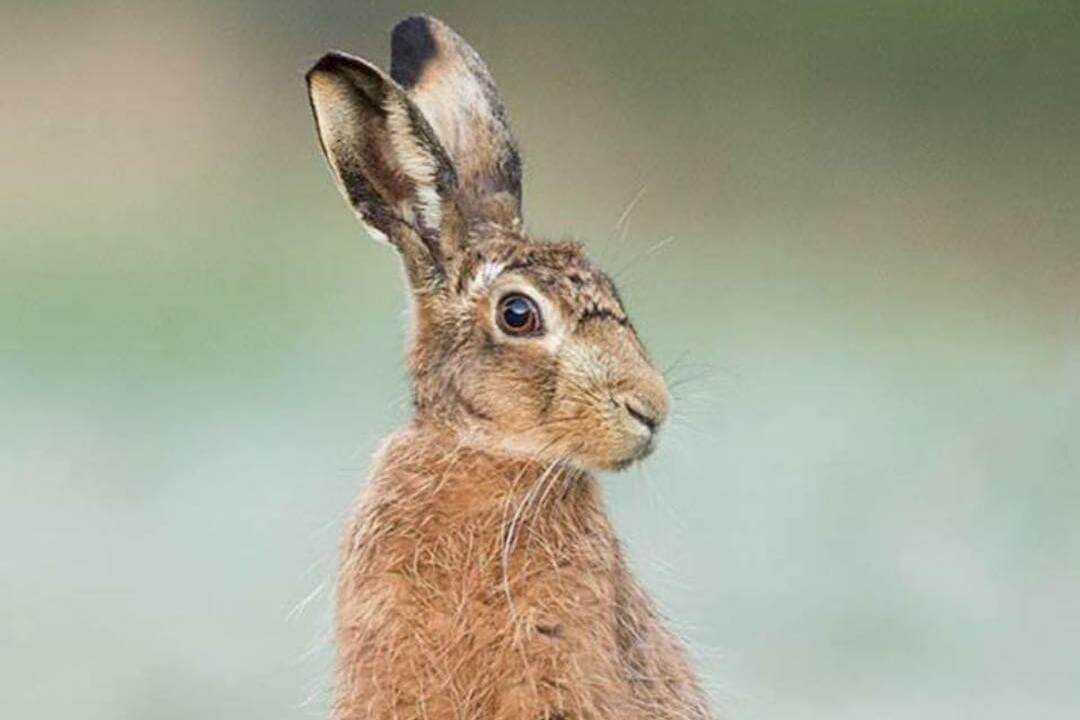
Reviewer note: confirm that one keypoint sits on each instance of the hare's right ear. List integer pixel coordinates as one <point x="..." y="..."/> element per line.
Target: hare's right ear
<point x="449" y="82"/>
<point x="388" y="162"/>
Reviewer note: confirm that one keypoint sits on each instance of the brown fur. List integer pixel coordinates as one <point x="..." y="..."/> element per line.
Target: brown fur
<point x="480" y="577"/>
<point x="442" y="615"/>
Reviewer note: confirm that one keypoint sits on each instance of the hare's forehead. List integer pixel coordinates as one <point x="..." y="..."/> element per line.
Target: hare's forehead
<point x="565" y="276"/>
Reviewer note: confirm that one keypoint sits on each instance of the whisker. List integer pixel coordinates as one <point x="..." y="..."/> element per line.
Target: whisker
<point x="622" y="225"/>
<point x="624" y="217"/>
<point x="620" y="274"/>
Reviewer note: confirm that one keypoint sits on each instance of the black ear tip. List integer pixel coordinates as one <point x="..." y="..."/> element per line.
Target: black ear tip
<point x="342" y="66"/>
<point x="332" y="63"/>
<point x="412" y="47"/>
<point x="416" y="27"/>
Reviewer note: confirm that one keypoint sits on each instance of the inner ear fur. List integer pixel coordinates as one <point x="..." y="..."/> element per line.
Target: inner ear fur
<point x="387" y="160"/>
<point x="452" y="86"/>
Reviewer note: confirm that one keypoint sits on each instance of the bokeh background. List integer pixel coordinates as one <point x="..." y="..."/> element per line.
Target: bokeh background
<point x="850" y="229"/>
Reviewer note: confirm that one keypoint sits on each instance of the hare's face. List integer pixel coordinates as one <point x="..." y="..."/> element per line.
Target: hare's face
<point x="547" y="360"/>
<point x="524" y="344"/>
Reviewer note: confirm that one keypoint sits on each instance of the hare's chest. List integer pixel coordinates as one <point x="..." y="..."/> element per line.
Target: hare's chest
<point x="499" y="610"/>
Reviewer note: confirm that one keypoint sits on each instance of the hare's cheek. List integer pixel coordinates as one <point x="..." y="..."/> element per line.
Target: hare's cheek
<point x="515" y="398"/>
<point x="531" y="382"/>
<point x="541" y="382"/>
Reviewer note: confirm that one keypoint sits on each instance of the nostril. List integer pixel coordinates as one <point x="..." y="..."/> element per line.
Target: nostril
<point x="639" y="414"/>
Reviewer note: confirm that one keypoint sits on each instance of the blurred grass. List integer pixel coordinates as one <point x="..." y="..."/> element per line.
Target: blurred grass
<point x="868" y="505"/>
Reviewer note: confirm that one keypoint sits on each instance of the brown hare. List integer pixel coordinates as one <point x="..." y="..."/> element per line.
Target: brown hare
<point x="480" y="576"/>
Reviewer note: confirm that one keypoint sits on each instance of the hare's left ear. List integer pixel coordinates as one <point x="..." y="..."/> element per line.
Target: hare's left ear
<point x="388" y="162"/>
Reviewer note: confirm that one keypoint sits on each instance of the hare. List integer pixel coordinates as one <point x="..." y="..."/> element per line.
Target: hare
<point x="480" y="576"/>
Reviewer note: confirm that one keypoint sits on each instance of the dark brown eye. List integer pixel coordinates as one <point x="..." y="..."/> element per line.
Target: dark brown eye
<point x="517" y="314"/>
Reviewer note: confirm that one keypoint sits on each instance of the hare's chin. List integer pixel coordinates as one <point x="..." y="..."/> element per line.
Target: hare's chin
<point x="639" y="452"/>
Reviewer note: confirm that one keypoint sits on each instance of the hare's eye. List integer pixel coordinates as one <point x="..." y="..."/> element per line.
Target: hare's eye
<point x="517" y="314"/>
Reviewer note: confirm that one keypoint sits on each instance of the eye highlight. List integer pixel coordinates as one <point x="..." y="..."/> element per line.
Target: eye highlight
<point x="517" y="314"/>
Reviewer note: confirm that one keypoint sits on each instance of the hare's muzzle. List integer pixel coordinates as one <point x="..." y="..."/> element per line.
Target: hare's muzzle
<point x="641" y="409"/>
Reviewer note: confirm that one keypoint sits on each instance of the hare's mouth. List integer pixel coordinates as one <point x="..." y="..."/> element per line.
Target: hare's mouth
<point x="642" y="449"/>
<point x="642" y="428"/>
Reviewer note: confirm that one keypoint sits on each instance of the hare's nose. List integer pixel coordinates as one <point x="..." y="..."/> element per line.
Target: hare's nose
<point x="644" y="409"/>
<point x="639" y="413"/>
<point x="646" y="403"/>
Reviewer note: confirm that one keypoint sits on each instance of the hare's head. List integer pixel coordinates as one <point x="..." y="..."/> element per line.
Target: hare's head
<point x="520" y="343"/>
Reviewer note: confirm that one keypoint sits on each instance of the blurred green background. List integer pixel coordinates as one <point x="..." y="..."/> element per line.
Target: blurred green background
<point x="869" y="503"/>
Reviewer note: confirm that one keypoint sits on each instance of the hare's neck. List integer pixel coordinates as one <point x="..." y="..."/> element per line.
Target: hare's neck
<point x="459" y="520"/>
<point x="426" y="470"/>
